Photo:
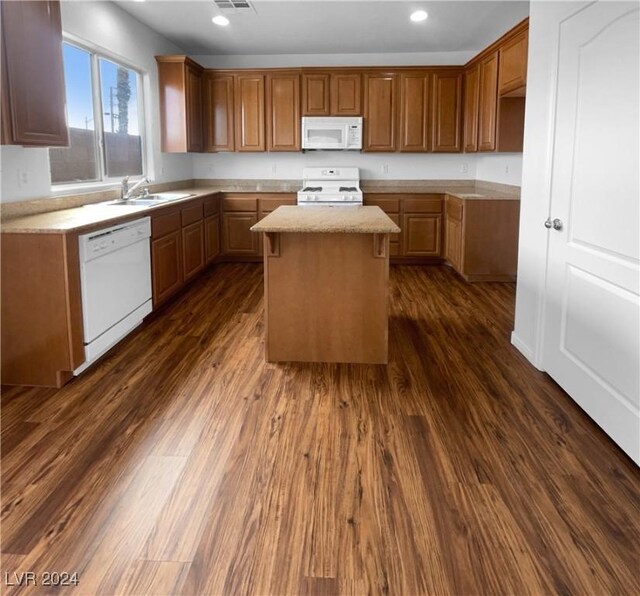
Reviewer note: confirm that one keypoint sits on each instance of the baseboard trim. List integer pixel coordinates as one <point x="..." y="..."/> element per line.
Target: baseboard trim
<point x="524" y="349"/>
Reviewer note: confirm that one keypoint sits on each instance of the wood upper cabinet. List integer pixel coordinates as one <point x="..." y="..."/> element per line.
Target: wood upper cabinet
<point x="316" y="95"/>
<point x="219" y="121"/>
<point x="380" y="91"/>
<point x="346" y="94"/>
<point x="249" y="112"/>
<point x="446" y="112"/>
<point x="414" y="112"/>
<point x="512" y="74"/>
<point x="471" y="103"/>
<point x="331" y="94"/>
<point x="33" y="91"/>
<point x="283" y="112"/>
<point x="488" y="97"/>
<point x="181" y="115"/>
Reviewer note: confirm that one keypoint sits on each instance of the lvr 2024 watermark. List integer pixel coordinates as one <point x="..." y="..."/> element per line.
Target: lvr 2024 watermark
<point x="46" y="578"/>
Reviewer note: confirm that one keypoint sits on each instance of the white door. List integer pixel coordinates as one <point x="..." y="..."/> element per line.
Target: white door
<point x="592" y="326"/>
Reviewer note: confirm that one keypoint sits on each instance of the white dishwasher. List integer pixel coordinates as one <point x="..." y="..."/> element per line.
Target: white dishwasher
<point x="115" y="276"/>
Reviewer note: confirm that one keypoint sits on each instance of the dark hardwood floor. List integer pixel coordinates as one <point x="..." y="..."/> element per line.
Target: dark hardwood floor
<point x="184" y="464"/>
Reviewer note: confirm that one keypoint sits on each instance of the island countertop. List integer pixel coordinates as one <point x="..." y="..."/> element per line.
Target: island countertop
<point x="345" y="220"/>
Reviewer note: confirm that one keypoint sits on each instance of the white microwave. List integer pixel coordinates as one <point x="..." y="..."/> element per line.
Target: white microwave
<point x="319" y="132"/>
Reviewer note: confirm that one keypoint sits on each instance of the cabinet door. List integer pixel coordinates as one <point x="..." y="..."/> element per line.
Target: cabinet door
<point x="471" y="109"/>
<point x="166" y="265"/>
<point x="453" y="242"/>
<point x="192" y="249"/>
<point x="219" y="113"/>
<point x="195" y="134"/>
<point x="488" y="103"/>
<point x="315" y="94"/>
<point x="249" y="112"/>
<point x="512" y="74"/>
<point x="283" y="112"/>
<point x="211" y="237"/>
<point x="414" y="112"/>
<point x="33" y="95"/>
<point x="446" y="112"/>
<point x="345" y="94"/>
<point x="422" y="235"/>
<point x="237" y="237"/>
<point x="379" y="112"/>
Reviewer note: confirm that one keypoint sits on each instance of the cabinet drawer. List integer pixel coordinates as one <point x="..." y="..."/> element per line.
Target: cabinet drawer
<point x="454" y="208"/>
<point x="245" y="204"/>
<point x="211" y="206"/>
<point x="161" y="225"/>
<point x="430" y="203"/>
<point x="388" y="205"/>
<point x="272" y="203"/>
<point x="191" y="214"/>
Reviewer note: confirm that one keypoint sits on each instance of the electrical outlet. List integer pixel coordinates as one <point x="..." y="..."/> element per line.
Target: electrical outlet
<point x="23" y="178"/>
<point x="464" y="168"/>
<point x="385" y="168"/>
<point x="506" y="169"/>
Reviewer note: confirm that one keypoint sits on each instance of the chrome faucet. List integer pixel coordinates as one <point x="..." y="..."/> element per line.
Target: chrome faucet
<point x="126" y="192"/>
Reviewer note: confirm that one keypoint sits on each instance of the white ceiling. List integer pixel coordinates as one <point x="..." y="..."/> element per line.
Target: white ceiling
<point x="329" y="26"/>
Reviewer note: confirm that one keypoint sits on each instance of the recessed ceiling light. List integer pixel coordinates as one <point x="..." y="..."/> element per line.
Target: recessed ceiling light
<point x="220" y="20"/>
<point x="418" y="16"/>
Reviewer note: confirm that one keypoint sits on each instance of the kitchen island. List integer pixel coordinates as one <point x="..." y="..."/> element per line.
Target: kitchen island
<point x="326" y="278"/>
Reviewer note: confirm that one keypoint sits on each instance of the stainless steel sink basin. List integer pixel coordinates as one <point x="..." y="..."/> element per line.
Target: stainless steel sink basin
<point x="155" y="199"/>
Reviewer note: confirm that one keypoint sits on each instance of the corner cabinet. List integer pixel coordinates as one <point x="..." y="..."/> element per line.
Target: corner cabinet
<point x="219" y="114"/>
<point x="471" y="103"/>
<point x="447" y="112"/>
<point x="380" y="98"/>
<point x="33" y="90"/>
<point x="488" y="94"/>
<point x="181" y="110"/>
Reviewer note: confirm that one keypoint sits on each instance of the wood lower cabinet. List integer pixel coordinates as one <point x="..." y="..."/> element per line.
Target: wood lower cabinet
<point x="380" y="97"/>
<point x="446" y="112"/>
<point x="488" y="98"/>
<point x="237" y="237"/>
<point x="414" y="112"/>
<point x="482" y="238"/>
<point x="33" y="90"/>
<point x="166" y="266"/>
<point x="211" y="237"/>
<point x="249" y="112"/>
<point x="193" y="259"/>
<point x="471" y="103"/>
<point x="219" y="122"/>
<point x="422" y="234"/>
<point x="181" y="110"/>
<point x="283" y="112"/>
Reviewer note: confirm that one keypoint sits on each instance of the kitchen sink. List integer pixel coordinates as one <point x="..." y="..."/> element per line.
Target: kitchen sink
<point x="155" y="199"/>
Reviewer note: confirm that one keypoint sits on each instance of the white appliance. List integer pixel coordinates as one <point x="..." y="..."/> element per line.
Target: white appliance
<point x="330" y="187"/>
<point x="115" y="277"/>
<point x="343" y="133"/>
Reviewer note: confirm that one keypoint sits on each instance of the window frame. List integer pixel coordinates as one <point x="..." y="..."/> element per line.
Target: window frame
<point x="95" y="54"/>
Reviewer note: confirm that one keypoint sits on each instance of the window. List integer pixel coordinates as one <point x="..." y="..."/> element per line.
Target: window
<point x="104" y="115"/>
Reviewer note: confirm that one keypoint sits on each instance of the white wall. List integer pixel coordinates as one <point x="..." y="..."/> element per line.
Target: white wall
<point x="536" y="173"/>
<point x="298" y="60"/>
<point x="505" y="168"/>
<point x="25" y="172"/>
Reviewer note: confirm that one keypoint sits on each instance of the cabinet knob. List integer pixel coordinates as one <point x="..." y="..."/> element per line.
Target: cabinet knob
<point x="556" y="224"/>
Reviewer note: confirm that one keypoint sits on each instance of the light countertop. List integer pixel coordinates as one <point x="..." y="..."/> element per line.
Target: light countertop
<point x="346" y="220"/>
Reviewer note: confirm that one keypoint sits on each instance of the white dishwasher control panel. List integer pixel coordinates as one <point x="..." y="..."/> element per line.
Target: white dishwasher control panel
<point x="96" y="244"/>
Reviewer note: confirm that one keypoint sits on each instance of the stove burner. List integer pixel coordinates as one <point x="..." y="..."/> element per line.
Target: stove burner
<point x="347" y="189"/>
<point x="312" y="189"/>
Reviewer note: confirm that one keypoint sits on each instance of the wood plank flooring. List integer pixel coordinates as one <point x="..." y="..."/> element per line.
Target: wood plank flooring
<point x="184" y="464"/>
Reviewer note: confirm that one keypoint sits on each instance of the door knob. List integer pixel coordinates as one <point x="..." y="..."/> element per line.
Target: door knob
<point x="556" y="224"/>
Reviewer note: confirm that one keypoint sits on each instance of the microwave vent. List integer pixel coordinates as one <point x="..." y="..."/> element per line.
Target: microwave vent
<point x="234" y="6"/>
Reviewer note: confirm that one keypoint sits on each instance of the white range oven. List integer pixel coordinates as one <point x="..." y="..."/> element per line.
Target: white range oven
<point x="331" y="133"/>
<point x="115" y="278"/>
<point x="330" y="187"/>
